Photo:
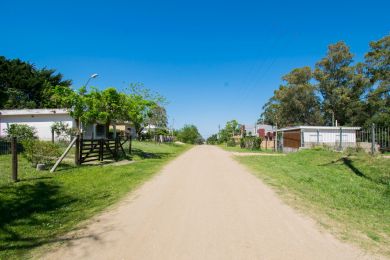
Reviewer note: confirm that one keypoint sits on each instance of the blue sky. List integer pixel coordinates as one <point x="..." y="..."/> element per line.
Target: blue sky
<point x="213" y="60"/>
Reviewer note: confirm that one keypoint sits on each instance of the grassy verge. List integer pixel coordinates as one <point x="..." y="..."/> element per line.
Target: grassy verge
<point x="42" y="206"/>
<point x="238" y="149"/>
<point x="350" y="195"/>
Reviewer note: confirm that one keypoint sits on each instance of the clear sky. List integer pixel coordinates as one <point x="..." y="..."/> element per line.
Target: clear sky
<point x="213" y="60"/>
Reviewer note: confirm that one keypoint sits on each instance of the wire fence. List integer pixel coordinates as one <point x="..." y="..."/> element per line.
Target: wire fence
<point x="6" y="145"/>
<point x="17" y="161"/>
<point x="14" y="165"/>
<point x="377" y="137"/>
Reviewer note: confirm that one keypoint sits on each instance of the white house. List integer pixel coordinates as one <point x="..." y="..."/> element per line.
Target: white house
<point x="293" y="138"/>
<point x="41" y="119"/>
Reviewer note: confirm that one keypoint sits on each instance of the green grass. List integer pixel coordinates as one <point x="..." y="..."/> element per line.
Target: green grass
<point x="42" y="206"/>
<point x="238" y="149"/>
<point x="350" y="195"/>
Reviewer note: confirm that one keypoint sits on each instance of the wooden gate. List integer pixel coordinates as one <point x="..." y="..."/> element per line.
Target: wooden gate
<point x="100" y="149"/>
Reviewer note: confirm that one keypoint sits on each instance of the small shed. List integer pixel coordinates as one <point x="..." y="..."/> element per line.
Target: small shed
<point x="293" y="138"/>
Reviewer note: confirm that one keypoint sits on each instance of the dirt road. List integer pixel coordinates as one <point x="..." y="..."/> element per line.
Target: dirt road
<point x="204" y="205"/>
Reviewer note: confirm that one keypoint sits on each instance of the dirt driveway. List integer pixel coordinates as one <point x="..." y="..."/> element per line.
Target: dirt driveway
<point x="203" y="205"/>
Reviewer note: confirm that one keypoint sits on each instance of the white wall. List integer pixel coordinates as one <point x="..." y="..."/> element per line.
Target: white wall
<point x="42" y="123"/>
<point x="329" y="136"/>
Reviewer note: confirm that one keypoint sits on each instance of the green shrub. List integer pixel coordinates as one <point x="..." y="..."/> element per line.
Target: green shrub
<point x="37" y="151"/>
<point x="189" y="134"/>
<point x="242" y="143"/>
<point x="21" y="131"/>
<point x="213" y="139"/>
<point x="231" y="142"/>
<point x="251" y="142"/>
<point x="62" y="131"/>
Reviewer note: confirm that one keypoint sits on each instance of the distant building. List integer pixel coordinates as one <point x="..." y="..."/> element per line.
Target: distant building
<point x="260" y="130"/>
<point x="266" y="132"/>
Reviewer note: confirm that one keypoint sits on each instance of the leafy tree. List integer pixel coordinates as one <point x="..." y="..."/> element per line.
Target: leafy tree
<point x="21" y="131"/>
<point x="378" y="69"/>
<point x="139" y="111"/>
<point x="22" y="85"/>
<point x="145" y="107"/>
<point x="341" y="85"/>
<point x="231" y="128"/>
<point x="294" y="103"/>
<point x="213" y="139"/>
<point x="105" y="107"/>
<point x="157" y="116"/>
<point x="73" y="100"/>
<point x="189" y="134"/>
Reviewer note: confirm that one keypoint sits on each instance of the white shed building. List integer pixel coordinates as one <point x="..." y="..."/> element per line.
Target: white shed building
<point x="293" y="138"/>
<point x="41" y="119"/>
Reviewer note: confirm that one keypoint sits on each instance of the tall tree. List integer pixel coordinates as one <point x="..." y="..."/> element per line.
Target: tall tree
<point x="231" y="128"/>
<point x="378" y="69"/>
<point x="106" y="107"/>
<point x="142" y="102"/>
<point x="189" y="134"/>
<point x="341" y="85"/>
<point x="295" y="102"/>
<point x="22" y="85"/>
<point x="157" y="116"/>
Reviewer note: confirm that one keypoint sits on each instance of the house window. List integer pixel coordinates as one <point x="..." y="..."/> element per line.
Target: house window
<point x="100" y="130"/>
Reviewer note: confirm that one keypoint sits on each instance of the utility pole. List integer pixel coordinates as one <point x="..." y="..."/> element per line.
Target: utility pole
<point x="332" y="118"/>
<point x="255" y="133"/>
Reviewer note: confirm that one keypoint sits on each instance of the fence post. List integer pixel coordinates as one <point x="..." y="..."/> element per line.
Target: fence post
<point x="373" y="137"/>
<point x="275" y="135"/>
<point x="116" y="148"/>
<point x="101" y="149"/>
<point x="130" y="144"/>
<point x="77" y="150"/>
<point x="318" y="137"/>
<point x="341" y="139"/>
<point x="282" y="142"/>
<point x="14" y="150"/>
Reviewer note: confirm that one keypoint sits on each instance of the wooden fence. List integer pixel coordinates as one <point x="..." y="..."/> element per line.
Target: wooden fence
<point x="100" y="149"/>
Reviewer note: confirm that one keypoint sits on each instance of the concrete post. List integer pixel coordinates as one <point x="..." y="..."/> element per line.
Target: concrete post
<point x="373" y="139"/>
<point x="14" y="150"/>
<point x="318" y="136"/>
<point x="341" y="139"/>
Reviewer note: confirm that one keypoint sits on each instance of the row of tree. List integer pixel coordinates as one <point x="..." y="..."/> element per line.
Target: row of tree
<point x="336" y="89"/>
